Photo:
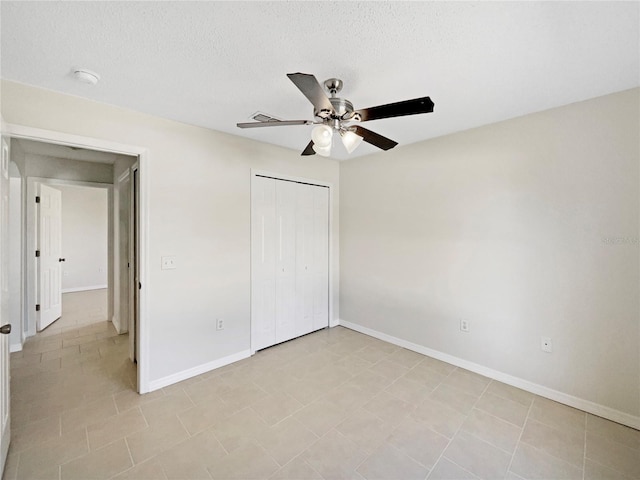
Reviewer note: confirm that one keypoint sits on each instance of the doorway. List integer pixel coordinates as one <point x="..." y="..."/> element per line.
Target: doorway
<point x="73" y="241"/>
<point x="122" y="311"/>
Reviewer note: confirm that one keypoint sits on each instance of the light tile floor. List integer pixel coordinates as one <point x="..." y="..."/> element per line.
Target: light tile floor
<point x="333" y="404"/>
<point x="79" y="309"/>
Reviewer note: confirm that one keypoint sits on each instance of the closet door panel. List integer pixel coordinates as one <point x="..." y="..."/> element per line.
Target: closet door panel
<point x="304" y="259"/>
<point x="263" y="262"/>
<point x="320" y="242"/>
<point x="285" y="260"/>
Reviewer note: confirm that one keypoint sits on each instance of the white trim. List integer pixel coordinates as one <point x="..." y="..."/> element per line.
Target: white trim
<point x="561" y="397"/>
<point x="15" y="348"/>
<point x="117" y="258"/>
<point x="123" y="176"/>
<point x="67" y="139"/>
<point x="144" y="332"/>
<point x="84" y="289"/>
<point x="60" y="138"/>
<point x="291" y="178"/>
<point x="199" y="370"/>
<point x="70" y="183"/>
<point x="333" y="322"/>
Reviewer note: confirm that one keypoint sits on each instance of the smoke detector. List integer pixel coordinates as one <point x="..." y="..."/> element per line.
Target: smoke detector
<point x="85" y="76"/>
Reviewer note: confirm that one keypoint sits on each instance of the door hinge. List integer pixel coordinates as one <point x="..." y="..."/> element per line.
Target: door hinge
<point x="37" y="307"/>
<point x="37" y="253"/>
<point x="37" y="199"/>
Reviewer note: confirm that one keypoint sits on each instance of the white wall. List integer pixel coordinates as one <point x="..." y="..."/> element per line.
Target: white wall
<point x="84" y="238"/>
<point x="199" y="194"/>
<point x="525" y="228"/>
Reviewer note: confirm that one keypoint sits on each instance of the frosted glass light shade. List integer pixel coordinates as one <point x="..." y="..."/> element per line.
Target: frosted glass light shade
<point x="350" y="140"/>
<point x="322" y="151"/>
<point x="321" y="136"/>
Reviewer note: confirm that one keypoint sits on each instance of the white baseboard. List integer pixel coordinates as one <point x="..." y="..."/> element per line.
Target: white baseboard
<point x="575" y="402"/>
<point x="200" y="369"/>
<point x="84" y="289"/>
<point x="15" y="348"/>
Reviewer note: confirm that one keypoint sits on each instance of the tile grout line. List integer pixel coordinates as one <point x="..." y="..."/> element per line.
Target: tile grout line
<point x="182" y="423"/>
<point x="444" y="377"/>
<point x="555" y="428"/>
<point x="17" y="463"/>
<point x="459" y="428"/>
<point x="526" y="418"/>
<point x="133" y="463"/>
<point x="584" y="449"/>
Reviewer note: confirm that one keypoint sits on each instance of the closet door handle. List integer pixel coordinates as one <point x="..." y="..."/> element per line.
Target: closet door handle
<point x="5" y="329"/>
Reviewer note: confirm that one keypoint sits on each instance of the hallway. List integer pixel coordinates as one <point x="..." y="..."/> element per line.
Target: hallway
<point x="65" y="378"/>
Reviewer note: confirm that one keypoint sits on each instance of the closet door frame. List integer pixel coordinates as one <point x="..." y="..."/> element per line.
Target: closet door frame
<point x="278" y="176"/>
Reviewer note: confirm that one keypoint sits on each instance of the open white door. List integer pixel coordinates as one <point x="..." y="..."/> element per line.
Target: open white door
<point x="134" y="325"/>
<point x="5" y="328"/>
<point x="50" y="247"/>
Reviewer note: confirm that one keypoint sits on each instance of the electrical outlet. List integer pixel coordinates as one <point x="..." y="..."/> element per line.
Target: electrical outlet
<point x="464" y="325"/>
<point x="219" y="324"/>
<point x="168" y="263"/>
<point x="546" y="345"/>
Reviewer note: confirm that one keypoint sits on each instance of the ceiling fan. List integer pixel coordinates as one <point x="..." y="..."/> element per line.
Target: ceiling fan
<point x="336" y="115"/>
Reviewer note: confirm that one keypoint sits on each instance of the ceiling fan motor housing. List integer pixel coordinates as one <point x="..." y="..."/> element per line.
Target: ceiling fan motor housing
<point x="341" y="107"/>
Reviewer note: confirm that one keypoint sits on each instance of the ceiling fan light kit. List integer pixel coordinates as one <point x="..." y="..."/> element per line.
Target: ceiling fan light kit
<point x="322" y="151"/>
<point x="334" y="114"/>
<point x="321" y="136"/>
<point x="350" y="140"/>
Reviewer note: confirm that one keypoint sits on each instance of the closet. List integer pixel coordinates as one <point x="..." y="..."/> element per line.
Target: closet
<point x="289" y="260"/>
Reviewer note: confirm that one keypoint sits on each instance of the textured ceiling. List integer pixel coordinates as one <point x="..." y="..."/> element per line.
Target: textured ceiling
<point x="215" y="63"/>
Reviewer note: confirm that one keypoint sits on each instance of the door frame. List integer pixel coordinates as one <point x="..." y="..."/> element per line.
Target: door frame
<point x="60" y="138"/>
<point x="333" y="321"/>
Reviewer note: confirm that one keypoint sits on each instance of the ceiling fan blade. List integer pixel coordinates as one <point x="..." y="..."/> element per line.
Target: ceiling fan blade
<point x="309" y="149"/>
<point x="399" y="109"/>
<point x="274" y="123"/>
<point x="311" y="89"/>
<point x="374" y="139"/>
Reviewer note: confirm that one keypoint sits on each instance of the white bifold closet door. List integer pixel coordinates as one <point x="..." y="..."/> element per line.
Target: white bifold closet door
<point x="290" y="260"/>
